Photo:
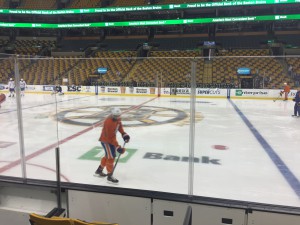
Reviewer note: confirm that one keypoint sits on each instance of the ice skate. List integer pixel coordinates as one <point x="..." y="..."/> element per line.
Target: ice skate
<point x="110" y="178"/>
<point x="99" y="172"/>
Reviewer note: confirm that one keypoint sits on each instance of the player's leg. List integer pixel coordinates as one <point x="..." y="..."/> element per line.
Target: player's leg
<point x="110" y="165"/>
<point x="10" y="92"/>
<point x="102" y="165"/>
<point x="286" y="96"/>
<point x="2" y="98"/>
<point x="296" y="108"/>
<point x="103" y="161"/>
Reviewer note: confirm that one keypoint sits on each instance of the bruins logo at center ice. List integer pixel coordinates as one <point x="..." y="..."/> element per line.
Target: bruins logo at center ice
<point x="132" y="117"/>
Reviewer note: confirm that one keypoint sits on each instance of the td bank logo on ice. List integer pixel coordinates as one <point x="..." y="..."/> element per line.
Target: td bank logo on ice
<point x="160" y="156"/>
<point x="97" y="152"/>
<point x="238" y="92"/>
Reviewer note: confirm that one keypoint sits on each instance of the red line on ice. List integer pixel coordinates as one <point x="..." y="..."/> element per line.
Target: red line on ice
<point x="54" y="145"/>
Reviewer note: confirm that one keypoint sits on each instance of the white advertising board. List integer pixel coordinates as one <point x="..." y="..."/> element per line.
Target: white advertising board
<point x="182" y="92"/>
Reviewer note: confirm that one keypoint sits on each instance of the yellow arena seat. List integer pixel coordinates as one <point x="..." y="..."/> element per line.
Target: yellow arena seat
<point x="36" y="219"/>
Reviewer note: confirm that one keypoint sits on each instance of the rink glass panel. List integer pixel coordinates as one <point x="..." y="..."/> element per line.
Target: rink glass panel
<point x="155" y="125"/>
<point x="9" y="123"/>
<point x="169" y="151"/>
<point x="40" y="134"/>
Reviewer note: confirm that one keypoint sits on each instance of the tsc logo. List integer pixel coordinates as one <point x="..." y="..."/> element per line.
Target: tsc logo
<point x="74" y="88"/>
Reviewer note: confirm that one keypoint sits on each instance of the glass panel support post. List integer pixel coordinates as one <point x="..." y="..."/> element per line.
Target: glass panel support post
<point x="20" y="118"/>
<point x="192" y="128"/>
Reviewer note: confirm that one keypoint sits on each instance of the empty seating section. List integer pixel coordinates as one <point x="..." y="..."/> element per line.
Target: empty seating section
<point x="295" y="63"/>
<point x="170" y="67"/>
<point x="7" y="67"/>
<point x="260" y="63"/>
<point x="167" y="66"/>
<point x="3" y="42"/>
<point x="49" y="71"/>
<point x="31" y="47"/>
<point x="79" y="4"/>
<point x="4" y="4"/>
<point x="37" y="4"/>
<point x="28" y="68"/>
<point x="245" y="52"/>
<point x="118" y="65"/>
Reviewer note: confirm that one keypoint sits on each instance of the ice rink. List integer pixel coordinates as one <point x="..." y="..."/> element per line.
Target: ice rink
<point x="245" y="150"/>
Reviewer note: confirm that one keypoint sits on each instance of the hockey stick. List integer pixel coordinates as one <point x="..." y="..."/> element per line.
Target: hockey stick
<point x="117" y="161"/>
<point x="277" y="98"/>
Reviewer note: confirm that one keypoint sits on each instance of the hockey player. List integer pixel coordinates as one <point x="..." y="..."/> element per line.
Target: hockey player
<point x="286" y="91"/>
<point x="57" y="90"/>
<point x="22" y="86"/>
<point x="111" y="126"/>
<point x="297" y="104"/>
<point x="2" y="98"/>
<point x="11" y="87"/>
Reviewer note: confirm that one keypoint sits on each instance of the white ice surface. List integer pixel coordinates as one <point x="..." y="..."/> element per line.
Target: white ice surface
<point x="242" y="171"/>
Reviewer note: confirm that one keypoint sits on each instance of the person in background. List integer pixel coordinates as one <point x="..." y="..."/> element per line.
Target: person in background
<point x="108" y="139"/>
<point x="297" y="104"/>
<point x="290" y="70"/>
<point x="286" y="91"/>
<point x="22" y="87"/>
<point x="57" y="90"/>
<point x="11" y="87"/>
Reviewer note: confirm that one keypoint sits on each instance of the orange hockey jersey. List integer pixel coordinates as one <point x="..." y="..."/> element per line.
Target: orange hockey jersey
<point x="110" y="129"/>
<point x="287" y="88"/>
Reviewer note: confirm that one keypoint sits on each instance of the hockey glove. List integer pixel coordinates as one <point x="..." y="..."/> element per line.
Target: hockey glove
<point x="126" y="137"/>
<point x="120" y="149"/>
<point x="298" y="104"/>
<point x="294" y="99"/>
<point x="281" y="93"/>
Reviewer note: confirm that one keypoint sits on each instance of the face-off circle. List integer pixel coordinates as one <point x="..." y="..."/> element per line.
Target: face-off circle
<point x="137" y="117"/>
